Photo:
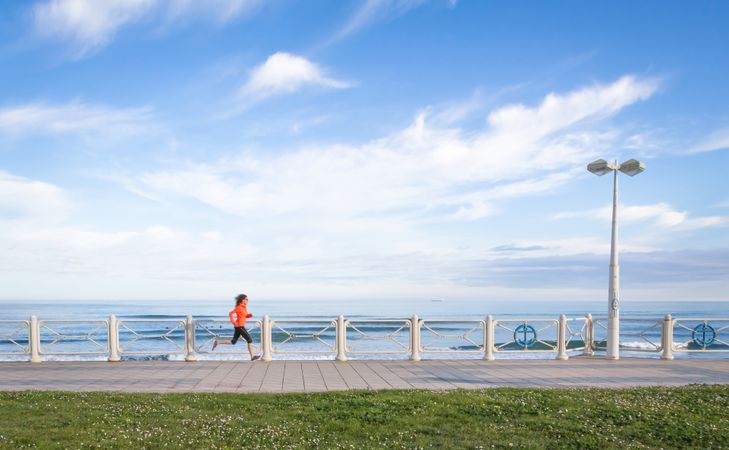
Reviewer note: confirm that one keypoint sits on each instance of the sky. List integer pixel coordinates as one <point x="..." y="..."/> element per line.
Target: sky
<point x="354" y="150"/>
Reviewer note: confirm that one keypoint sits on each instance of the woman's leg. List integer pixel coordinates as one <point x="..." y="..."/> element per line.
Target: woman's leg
<point x="236" y="335"/>
<point x="249" y="340"/>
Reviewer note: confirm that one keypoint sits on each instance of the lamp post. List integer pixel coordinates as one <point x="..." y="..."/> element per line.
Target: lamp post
<point x="601" y="167"/>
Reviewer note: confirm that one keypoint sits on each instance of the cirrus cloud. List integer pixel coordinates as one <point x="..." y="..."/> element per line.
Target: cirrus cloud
<point x="661" y="214"/>
<point x="89" y="25"/>
<point x="75" y="117"/>
<point x="717" y="140"/>
<point x="524" y="150"/>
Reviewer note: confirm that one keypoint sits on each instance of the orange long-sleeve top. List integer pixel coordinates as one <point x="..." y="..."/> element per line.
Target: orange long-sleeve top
<point x="241" y="314"/>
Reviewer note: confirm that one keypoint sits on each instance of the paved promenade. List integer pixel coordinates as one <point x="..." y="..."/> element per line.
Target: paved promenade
<point x="316" y="376"/>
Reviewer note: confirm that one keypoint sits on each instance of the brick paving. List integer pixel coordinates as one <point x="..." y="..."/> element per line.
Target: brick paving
<point x="318" y="376"/>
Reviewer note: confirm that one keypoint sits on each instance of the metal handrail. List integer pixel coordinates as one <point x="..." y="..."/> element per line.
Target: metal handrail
<point x="686" y="346"/>
<point x="58" y="337"/>
<point x="654" y="324"/>
<point x="210" y="335"/>
<point x="11" y="339"/>
<point x="572" y="333"/>
<point x="140" y="336"/>
<point x="525" y="346"/>
<point x="389" y="337"/>
<point x="328" y="325"/>
<point x="479" y="326"/>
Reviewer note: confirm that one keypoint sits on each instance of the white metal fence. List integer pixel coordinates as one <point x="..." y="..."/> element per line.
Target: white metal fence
<point x="340" y="338"/>
<point x="307" y="337"/>
<point x="452" y="336"/>
<point x="636" y="334"/>
<point x="14" y="337"/>
<point x="534" y="335"/>
<point x="701" y="335"/>
<point x="577" y="334"/>
<point x="151" y="336"/>
<point x="73" y="337"/>
<point x="378" y="336"/>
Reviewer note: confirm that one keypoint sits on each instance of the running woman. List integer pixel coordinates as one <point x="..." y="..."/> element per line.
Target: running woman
<point x="239" y="323"/>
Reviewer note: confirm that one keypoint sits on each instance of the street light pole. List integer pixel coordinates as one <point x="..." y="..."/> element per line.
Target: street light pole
<point x="601" y="167"/>
<point x="613" y="337"/>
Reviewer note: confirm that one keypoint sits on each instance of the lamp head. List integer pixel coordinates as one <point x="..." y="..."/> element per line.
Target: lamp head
<point x="600" y="167"/>
<point x="632" y="167"/>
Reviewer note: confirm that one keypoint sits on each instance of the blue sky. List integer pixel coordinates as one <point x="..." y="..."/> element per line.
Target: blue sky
<point x="177" y="149"/>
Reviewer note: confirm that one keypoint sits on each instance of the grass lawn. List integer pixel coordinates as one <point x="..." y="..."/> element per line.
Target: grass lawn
<point x="694" y="416"/>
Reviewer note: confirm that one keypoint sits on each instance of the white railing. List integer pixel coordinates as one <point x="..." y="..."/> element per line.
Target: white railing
<point x="385" y="336"/>
<point x="357" y="337"/>
<point x="139" y="336"/>
<point x="321" y="334"/>
<point x="208" y="330"/>
<point x="64" y="337"/>
<point x="636" y="334"/>
<point x="701" y="335"/>
<point x="533" y="335"/>
<point x="577" y="335"/>
<point x="14" y="337"/>
<point x="445" y="336"/>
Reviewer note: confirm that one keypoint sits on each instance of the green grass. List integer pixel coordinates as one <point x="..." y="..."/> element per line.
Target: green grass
<point x="694" y="416"/>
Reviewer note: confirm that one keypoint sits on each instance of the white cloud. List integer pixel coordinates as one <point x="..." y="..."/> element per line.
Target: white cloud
<point x="479" y="204"/>
<point x="559" y="111"/>
<point x="457" y="111"/>
<point x="89" y="25"/>
<point x="155" y="251"/>
<point x="354" y="216"/>
<point x="524" y="151"/>
<point x="220" y="11"/>
<point x="717" y="140"/>
<point x="285" y="73"/>
<point x="74" y="118"/>
<point x="22" y="198"/>
<point x="661" y="214"/>
<point x="373" y="11"/>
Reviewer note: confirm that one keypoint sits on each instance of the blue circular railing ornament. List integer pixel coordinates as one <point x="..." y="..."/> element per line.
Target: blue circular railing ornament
<point x="525" y="335"/>
<point x="703" y="334"/>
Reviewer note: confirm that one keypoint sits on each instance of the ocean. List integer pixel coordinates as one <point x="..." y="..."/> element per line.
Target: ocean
<point x="306" y="329"/>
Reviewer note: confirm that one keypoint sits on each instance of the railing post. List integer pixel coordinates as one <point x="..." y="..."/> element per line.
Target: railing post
<point x="415" y="338"/>
<point x="113" y="340"/>
<point x="190" y="339"/>
<point x="341" y="339"/>
<point x="34" y="340"/>
<point x="562" y="339"/>
<point x="488" y="340"/>
<point x="587" y="338"/>
<point x="667" y="337"/>
<point x="266" y="338"/>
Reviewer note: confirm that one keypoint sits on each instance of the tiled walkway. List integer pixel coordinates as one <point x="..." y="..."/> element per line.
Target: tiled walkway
<point x="312" y="376"/>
